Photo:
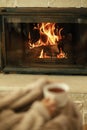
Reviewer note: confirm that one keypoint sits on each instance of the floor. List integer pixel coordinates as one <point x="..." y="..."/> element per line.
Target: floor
<point x="13" y="81"/>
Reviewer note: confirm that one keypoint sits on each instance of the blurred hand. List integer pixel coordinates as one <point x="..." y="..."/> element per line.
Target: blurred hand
<point x="50" y="105"/>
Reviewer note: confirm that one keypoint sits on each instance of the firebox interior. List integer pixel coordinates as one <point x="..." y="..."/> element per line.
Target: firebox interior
<point x="44" y="40"/>
<point x="34" y="44"/>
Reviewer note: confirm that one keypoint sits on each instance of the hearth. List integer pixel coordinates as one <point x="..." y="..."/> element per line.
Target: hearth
<point x="44" y="40"/>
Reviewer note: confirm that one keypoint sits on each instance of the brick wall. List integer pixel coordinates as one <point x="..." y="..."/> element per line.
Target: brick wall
<point x="43" y="3"/>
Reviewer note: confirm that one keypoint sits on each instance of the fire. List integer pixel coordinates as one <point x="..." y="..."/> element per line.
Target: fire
<point x="41" y="54"/>
<point x="61" y="54"/>
<point x="49" y="36"/>
<point x="47" y="29"/>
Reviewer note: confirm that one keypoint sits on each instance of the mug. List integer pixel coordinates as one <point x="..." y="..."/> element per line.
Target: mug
<point x="57" y="92"/>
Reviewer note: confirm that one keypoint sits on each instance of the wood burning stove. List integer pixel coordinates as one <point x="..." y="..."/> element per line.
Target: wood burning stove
<point x="43" y="40"/>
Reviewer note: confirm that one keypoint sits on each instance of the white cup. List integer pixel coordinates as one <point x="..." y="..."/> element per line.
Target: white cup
<point x="60" y="97"/>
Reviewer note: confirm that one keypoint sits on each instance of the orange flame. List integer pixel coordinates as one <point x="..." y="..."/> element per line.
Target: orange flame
<point x="48" y="37"/>
<point x="47" y="30"/>
<point x="61" y="55"/>
<point x="41" y="54"/>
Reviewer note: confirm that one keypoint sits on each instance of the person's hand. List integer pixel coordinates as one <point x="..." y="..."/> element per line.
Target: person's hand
<point x="50" y="105"/>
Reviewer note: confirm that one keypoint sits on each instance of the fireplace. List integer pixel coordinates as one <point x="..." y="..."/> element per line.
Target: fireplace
<point x="44" y="40"/>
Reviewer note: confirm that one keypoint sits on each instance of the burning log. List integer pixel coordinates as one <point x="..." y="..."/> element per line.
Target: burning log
<point x="43" y="38"/>
<point x="54" y="50"/>
<point x="49" y="50"/>
<point x="34" y="52"/>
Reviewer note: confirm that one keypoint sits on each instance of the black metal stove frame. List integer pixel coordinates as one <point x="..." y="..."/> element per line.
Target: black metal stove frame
<point x="41" y="14"/>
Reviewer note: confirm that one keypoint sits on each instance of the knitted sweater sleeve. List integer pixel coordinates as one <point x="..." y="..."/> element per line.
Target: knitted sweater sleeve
<point x="35" y="118"/>
<point x="68" y="119"/>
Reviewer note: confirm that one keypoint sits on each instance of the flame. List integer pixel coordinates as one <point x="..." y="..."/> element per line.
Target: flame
<point x="47" y="29"/>
<point x="48" y="37"/>
<point x="61" y="55"/>
<point x="41" y="54"/>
